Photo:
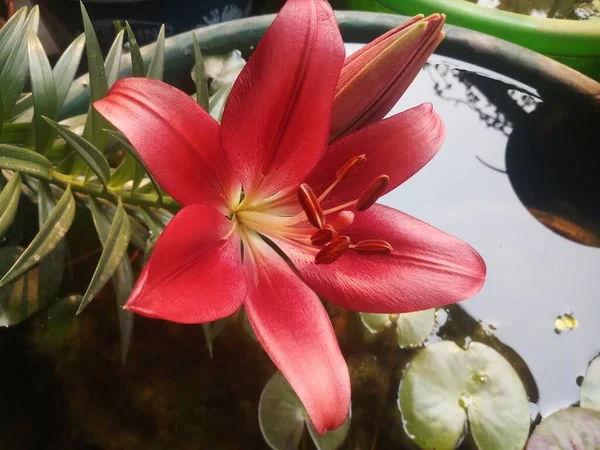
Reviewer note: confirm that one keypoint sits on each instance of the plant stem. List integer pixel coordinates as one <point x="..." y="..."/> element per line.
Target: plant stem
<point x="111" y="195"/>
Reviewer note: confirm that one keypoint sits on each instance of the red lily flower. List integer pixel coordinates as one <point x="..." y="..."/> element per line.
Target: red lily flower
<point x="254" y="178"/>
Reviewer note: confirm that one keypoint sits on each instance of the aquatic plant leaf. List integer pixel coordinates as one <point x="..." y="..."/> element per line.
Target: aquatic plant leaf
<point x="282" y="419"/>
<point x="412" y="329"/>
<point x="157" y="65"/>
<point x="567" y="429"/>
<point x="122" y="279"/>
<point x="23" y="160"/>
<point x="9" y="202"/>
<point x="375" y="322"/>
<point x="444" y="386"/>
<point x="65" y="69"/>
<point x="590" y="388"/>
<point x="114" y="249"/>
<point x="200" y="76"/>
<point x="13" y="66"/>
<point x="43" y="90"/>
<point x="50" y="234"/>
<point x="127" y="146"/>
<point x="88" y="152"/>
<point x="137" y="62"/>
<point x="112" y="65"/>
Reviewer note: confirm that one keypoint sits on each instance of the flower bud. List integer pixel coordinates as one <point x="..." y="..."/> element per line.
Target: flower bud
<point x="375" y="77"/>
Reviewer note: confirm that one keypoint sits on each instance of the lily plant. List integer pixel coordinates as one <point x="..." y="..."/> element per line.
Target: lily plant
<point x="279" y="200"/>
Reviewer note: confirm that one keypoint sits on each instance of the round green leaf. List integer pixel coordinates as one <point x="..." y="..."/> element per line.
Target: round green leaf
<point x="413" y="329"/>
<point x="590" y="388"/>
<point x="444" y="385"/>
<point x="375" y="322"/>
<point x="282" y="419"/>
<point x="567" y="429"/>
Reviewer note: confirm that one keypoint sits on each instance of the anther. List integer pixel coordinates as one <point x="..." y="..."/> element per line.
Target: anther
<point x="310" y="205"/>
<point x="373" y="247"/>
<point x="323" y="236"/>
<point x="333" y="251"/>
<point x="350" y="167"/>
<point x="372" y="193"/>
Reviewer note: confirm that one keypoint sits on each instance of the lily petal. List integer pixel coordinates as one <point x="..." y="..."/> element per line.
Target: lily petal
<point x="398" y="147"/>
<point x="427" y="267"/>
<point x="276" y="121"/>
<point x="374" y="78"/>
<point x="195" y="272"/>
<point x="176" y="138"/>
<point x="294" y="329"/>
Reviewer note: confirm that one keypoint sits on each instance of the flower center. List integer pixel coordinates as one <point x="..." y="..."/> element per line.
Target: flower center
<point x="325" y="235"/>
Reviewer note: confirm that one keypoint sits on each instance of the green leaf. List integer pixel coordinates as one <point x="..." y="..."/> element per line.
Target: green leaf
<point x="444" y="385"/>
<point x="217" y="102"/>
<point x="25" y="103"/>
<point x="115" y="247"/>
<point x="211" y="331"/>
<point x="412" y="329"/>
<point x="200" y="76"/>
<point x="98" y="82"/>
<point x="157" y="65"/>
<point x="43" y="90"/>
<point x="113" y="59"/>
<point x="590" y="388"/>
<point x="122" y="279"/>
<point x="51" y="233"/>
<point x="1" y="114"/>
<point x="13" y="64"/>
<point x="23" y="160"/>
<point x="567" y="429"/>
<point x="88" y="152"/>
<point x="125" y="143"/>
<point x="66" y="68"/>
<point x="137" y="62"/>
<point x="282" y="419"/>
<point x="51" y="268"/>
<point x="9" y="202"/>
<point x="124" y="173"/>
<point x="9" y="34"/>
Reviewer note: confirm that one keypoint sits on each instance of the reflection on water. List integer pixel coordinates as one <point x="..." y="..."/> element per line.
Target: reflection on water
<point x="557" y="9"/>
<point x="553" y="180"/>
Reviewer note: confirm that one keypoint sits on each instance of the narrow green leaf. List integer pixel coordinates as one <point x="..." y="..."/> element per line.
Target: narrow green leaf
<point x="124" y="173"/>
<point x="115" y="247"/>
<point x="127" y="145"/>
<point x="211" y="331"/>
<point x="13" y="72"/>
<point x="24" y="104"/>
<point x="88" y="152"/>
<point x="98" y="81"/>
<point x="66" y="68"/>
<point x="28" y="161"/>
<point x="51" y="233"/>
<point x="1" y="114"/>
<point x="9" y="202"/>
<point x="113" y="59"/>
<point x="51" y="268"/>
<point x="9" y="34"/>
<point x="216" y="104"/>
<point x="43" y="90"/>
<point x="200" y="76"/>
<point x="137" y="62"/>
<point x="157" y="65"/>
<point x="123" y="279"/>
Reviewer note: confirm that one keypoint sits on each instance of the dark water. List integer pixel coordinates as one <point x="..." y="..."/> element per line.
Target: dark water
<point x="517" y="178"/>
<point x="557" y="9"/>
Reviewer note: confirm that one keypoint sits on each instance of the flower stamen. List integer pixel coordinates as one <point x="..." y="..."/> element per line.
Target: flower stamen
<point x="310" y="204"/>
<point x="372" y="193"/>
<point x="323" y="236"/>
<point x="333" y="251"/>
<point x="372" y="247"/>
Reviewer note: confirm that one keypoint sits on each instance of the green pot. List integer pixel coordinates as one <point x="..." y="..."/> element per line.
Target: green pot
<point x="574" y="43"/>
